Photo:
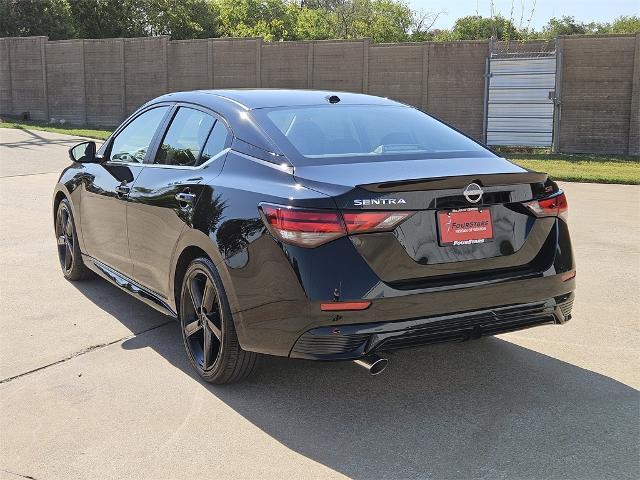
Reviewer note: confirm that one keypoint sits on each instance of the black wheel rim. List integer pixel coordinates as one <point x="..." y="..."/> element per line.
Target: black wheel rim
<point x="201" y="319"/>
<point x="64" y="233"/>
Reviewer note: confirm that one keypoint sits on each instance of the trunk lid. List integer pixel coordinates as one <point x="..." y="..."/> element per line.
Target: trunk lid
<point x="414" y="252"/>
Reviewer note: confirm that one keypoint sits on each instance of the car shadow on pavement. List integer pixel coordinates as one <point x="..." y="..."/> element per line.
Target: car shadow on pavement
<point x="37" y="139"/>
<point x="481" y="409"/>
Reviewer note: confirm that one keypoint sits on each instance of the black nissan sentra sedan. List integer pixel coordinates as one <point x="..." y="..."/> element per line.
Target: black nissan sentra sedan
<point x="312" y="224"/>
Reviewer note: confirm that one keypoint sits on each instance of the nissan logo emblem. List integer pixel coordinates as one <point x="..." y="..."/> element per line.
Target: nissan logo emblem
<point x="473" y="193"/>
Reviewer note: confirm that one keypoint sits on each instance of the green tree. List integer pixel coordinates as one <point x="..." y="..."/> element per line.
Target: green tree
<point x="21" y="18"/>
<point x="314" y="24"/>
<point x="382" y="20"/>
<point x="625" y="24"/>
<point x="564" y="26"/>
<point x="475" y="27"/>
<point x="181" y="19"/>
<point x="270" y="19"/>
<point x="273" y="20"/>
<point x="107" y="18"/>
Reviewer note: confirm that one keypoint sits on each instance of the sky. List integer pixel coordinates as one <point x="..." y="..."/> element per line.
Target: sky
<point x="583" y="10"/>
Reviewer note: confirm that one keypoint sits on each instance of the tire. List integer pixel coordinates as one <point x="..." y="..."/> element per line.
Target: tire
<point x="73" y="267"/>
<point x="205" y="319"/>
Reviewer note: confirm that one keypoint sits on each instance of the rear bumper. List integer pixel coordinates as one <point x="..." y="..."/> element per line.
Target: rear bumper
<point x="278" y="312"/>
<point x="347" y="342"/>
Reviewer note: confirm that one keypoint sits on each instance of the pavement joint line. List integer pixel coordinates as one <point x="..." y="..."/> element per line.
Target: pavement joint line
<point x="17" y="474"/>
<point x="27" y="174"/>
<point x="84" y="351"/>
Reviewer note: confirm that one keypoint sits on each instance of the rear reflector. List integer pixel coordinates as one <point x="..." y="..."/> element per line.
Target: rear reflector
<point x="337" y="306"/>
<point x="311" y="228"/>
<point x="555" y="206"/>
<point x="568" y="275"/>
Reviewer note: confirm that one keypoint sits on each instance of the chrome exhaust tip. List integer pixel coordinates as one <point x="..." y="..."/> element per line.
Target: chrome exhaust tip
<point x="373" y="363"/>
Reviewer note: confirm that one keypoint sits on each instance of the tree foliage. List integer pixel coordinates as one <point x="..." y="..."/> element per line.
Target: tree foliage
<point x="21" y="18"/>
<point x="568" y="25"/>
<point x="475" y="27"/>
<point x="269" y="19"/>
<point x="625" y="24"/>
<point x="134" y="18"/>
<point x="273" y="20"/>
<point x="106" y="18"/>
<point x="181" y="19"/>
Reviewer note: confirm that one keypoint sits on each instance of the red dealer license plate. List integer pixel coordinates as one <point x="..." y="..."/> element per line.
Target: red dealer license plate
<point x="465" y="226"/>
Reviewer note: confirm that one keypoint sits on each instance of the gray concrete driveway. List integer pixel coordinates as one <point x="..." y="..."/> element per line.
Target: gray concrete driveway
<point x="96" y="385"/>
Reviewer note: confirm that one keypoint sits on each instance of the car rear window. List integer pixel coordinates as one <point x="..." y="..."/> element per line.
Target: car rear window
<point x="329" y="131"/>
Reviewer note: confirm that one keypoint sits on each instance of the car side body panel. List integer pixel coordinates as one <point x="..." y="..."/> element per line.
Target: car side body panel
<point x="155" y="221"/>
<point x="227" y="215"/>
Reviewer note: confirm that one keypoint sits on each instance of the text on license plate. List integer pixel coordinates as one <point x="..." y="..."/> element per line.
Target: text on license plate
<point x="465" y="226"/>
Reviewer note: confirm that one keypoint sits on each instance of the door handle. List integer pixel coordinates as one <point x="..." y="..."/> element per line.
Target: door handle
<point x="123" y="190"/>
<point x="185" y="197"/>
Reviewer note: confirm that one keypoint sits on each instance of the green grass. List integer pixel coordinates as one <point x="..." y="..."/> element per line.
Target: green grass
<point x="582" y="168"/>
<point x="572" y="168"/>
<point x="80" y="130"/>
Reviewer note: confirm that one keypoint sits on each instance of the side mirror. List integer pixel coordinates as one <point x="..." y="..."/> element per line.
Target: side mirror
<point x="84" y="152"/>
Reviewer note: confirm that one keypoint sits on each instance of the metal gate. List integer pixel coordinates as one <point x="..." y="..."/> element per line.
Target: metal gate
<point x="521" y="98"/>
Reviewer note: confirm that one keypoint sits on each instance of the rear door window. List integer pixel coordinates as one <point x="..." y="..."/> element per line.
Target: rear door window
<point x="185" y="139"/>
<point x="215" y="143"/>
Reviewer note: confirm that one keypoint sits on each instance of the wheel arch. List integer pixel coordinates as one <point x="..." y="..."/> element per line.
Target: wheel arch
<point x="58" y="195"/>
<point x="61" y="192"/>
<point x="184" y="259"/>
<point x="191" y="245"/>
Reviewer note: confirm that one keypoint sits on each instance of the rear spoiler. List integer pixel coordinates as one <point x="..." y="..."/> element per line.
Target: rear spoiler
<point x="443" y="183"/>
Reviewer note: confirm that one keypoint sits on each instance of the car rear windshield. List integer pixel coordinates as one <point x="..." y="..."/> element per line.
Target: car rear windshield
<point x="371" y="131"/>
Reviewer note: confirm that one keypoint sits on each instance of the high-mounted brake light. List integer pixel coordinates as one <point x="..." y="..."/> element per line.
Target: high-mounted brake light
<point x="555" y="206"/>
<point x="311" y="228"/>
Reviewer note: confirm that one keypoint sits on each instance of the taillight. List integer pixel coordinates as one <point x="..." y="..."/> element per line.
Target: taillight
<point x="308" y="228"/>
<point x="555" y="206"/>
<point x="311" y="228"/>
<point x="360" y="222"/>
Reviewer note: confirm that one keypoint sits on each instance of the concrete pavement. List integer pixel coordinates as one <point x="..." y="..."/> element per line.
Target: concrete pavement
<point x="94" y="384"/>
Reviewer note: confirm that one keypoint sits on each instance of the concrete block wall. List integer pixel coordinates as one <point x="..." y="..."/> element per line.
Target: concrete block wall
<point x="65" y="80"/>
<point x="286" y="65"/>
<point x="455" y="84"/>
<point x="102" y="81"/>
<point x="6" y="104"/>
<point x="236" y="62"/>
<point x="596" y="94"/>
<point x="27" y="77"/>
<point x="145" y="70"/>
<point x="105" y="88"/>
<point x="634" y="116"/>
<point x="399" y="72"/>
<point x="340" y="65"/>
<point x="189" y="65"/>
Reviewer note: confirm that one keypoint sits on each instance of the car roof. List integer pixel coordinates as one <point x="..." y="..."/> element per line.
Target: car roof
<point x="232" y="103"/>
<point x="274" y="97"/>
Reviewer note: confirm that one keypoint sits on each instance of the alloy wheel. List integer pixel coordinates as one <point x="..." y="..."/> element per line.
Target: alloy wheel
<point x="66" y="238"/>
<point x="201" y="319"/>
